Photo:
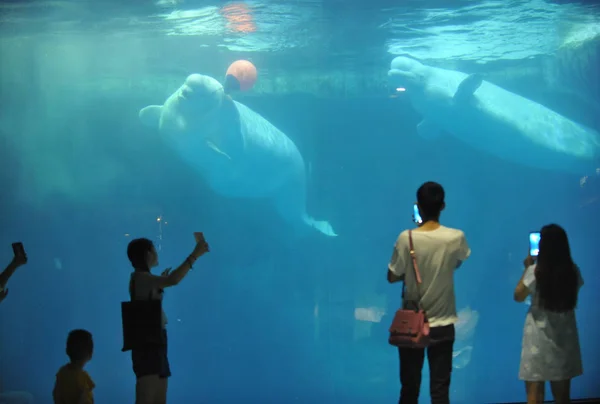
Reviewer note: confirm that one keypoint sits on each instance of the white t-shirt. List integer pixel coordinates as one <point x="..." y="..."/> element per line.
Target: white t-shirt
<point x="147" y="287"/>
<point x="438" y="253"/>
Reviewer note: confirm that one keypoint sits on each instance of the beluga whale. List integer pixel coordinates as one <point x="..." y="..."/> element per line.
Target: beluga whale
<point x="494" y="120"/>
<point x="237" y="151"/>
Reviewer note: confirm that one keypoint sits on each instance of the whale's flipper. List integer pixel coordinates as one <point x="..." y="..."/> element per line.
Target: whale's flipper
<point x="290" y="202"/>
<point x="429" y="130"/>
<point x="214" y="147"/>
<point x="467" y="87"/>
<point x="321" y="225"/>
<point x="150" y="116"/>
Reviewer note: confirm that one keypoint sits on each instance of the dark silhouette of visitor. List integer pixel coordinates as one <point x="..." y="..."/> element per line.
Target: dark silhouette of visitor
<point x="73" y="384"/>
<point x="550" y="348"/>
<point x="13" y="397"/>
<point x="439" y="250"/>
<point x="150" y="361"/>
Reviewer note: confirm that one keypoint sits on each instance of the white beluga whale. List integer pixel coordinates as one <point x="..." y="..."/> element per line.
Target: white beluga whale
<point x="494" y="120"/>
<point x="236" y="150"/>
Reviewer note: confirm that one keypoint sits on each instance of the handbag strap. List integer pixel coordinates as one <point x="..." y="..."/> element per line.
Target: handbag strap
<point x="413" y="257"/>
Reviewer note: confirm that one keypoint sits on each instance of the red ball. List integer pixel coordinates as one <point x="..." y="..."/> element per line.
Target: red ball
<point x="244" y="72"/>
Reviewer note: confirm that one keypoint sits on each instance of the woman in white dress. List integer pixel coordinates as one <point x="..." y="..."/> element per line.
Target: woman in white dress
<point x="550" y="350"/>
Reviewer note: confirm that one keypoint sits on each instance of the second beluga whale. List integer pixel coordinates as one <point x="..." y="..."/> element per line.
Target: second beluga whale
<point x="239" y="152"/>
<point x="495" y="120"/>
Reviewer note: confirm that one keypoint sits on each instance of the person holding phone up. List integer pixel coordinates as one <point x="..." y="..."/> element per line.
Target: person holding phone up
<point x="150" y="362"/>
<point x="550" y="347"/>
<point x="19" y="259"/>
<point x="438" y="251"/>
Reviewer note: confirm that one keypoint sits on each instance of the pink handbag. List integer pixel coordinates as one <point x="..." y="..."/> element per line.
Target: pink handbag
<point x="410" y="327"/>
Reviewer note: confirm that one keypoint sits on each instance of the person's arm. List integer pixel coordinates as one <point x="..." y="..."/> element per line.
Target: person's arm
<point x="579" y="278"/>
<point x="173" y="278"/>
<point x="393" y="278"/>
<point x="86" y="388"/>
<point x="398" y="262"/>
<point x="86" y="398"/>
<point x="464" y="251"/>
<point x="3" y="293"/>
<point x="56" y="398"/>
<point x="10" y="270"/>
<point x="87" y="395"/>
<point x="525" y="285"/>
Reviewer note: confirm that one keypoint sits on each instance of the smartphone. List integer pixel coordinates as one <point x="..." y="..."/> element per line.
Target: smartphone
<point x="199" y="236"/>
<point x="416" y="215"/>
<point x="18" y="249"/>
<point x="534" y="243"/>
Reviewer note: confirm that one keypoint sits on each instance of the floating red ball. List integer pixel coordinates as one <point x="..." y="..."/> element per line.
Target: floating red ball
<point x="244" y="73"/>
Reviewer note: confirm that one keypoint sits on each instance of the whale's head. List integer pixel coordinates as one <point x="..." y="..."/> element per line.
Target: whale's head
<point x="189" y="117"/>
<point x="199" y="96"/>
<point x="189" y="108"/>
<point x="406" y="73"/>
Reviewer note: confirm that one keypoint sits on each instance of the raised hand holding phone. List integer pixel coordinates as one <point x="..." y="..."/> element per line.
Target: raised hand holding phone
<point x="416" y="215"/>
<point x="18" y="249"/>
<point x="201" y="245"/>
<point x="534" y="243"/>
<point x="20" y="257"/>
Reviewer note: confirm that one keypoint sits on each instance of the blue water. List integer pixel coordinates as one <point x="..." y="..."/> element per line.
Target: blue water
<point x="270" y="316"/>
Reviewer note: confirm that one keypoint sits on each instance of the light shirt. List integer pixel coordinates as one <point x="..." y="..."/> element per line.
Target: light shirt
<point x="438" y="254"/>
<point x="73" y="386"/>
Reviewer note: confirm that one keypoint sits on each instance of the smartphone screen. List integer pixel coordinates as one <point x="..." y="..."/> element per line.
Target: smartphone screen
<point x="416" y="215"/>
<point x="18" y="249"/>
<point x="534" y="243"/>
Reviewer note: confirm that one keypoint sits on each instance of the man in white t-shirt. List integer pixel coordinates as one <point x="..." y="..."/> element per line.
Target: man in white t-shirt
<point x="439" y="251"/>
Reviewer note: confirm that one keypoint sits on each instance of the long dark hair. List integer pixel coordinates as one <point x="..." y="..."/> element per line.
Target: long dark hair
<point x="556" y="273"/>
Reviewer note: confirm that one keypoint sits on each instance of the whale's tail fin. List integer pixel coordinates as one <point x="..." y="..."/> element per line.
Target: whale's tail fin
<point x="321" y="225"/>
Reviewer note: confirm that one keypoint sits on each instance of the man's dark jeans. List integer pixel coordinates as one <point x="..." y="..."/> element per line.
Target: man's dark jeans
<point x="439" y="355"/>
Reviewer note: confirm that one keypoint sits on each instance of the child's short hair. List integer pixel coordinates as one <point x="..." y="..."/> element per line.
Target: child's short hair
<point x="80" y="345"/>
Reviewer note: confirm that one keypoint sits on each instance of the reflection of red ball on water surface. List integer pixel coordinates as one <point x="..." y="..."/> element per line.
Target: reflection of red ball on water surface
<point x="241" y="75"/>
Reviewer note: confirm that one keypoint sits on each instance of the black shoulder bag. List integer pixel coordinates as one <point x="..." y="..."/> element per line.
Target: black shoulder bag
<point x="142" y="322"/>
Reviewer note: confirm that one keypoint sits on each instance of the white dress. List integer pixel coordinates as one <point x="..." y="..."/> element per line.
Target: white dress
<point x="550" y="349"/>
